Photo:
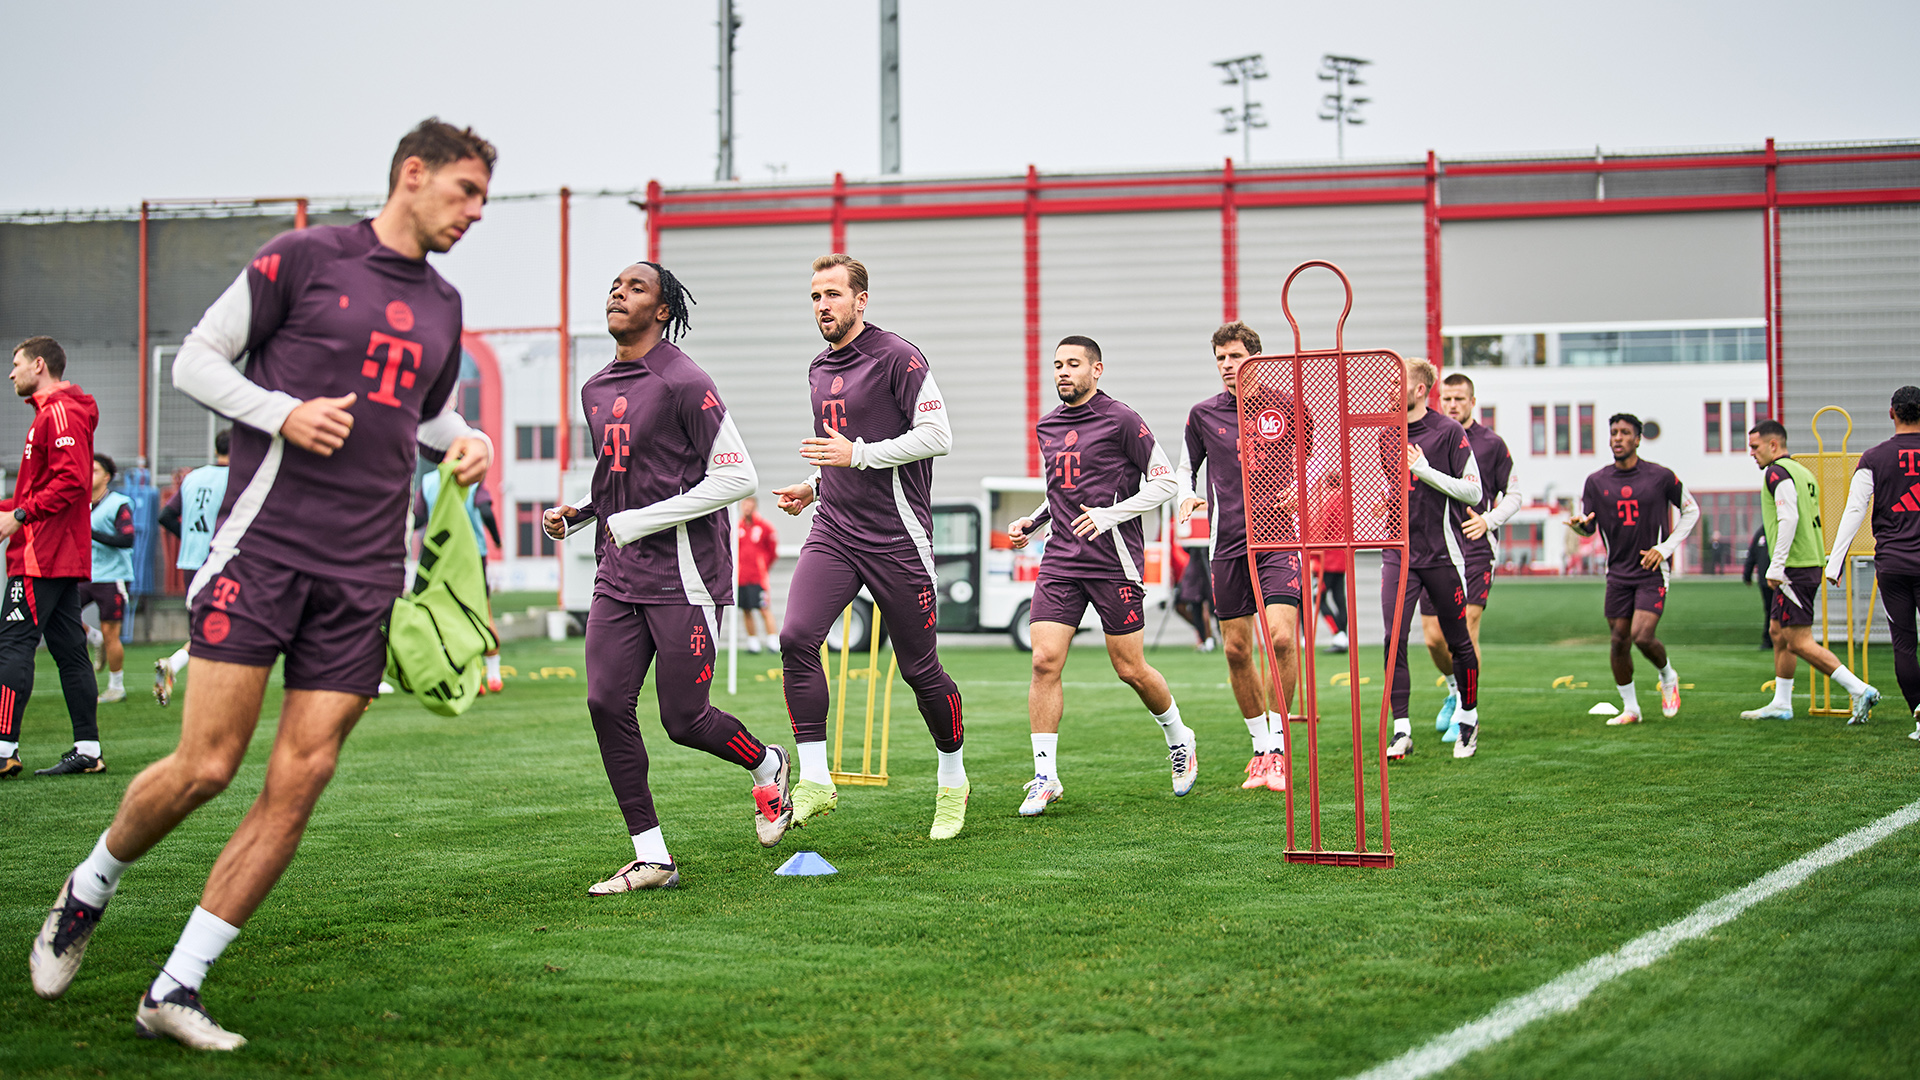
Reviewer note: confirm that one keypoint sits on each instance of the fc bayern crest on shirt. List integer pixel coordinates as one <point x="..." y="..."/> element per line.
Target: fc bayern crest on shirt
<point x="839" y="384"/>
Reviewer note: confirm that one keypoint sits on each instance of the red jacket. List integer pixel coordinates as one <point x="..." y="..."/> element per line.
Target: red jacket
<point x="55" y="488"/>
<point x="759" y="547"/>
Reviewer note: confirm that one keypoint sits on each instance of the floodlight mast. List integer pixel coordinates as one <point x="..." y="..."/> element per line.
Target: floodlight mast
<point x="1344" y="73"/>
<point x="1241" y="71"/>
<point x="729" y="25"/>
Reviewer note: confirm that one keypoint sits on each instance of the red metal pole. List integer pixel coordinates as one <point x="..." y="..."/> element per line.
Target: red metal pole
<point x="299" y="213"/>
<point x="146" y="390"/>
<point x="1031" y="241"/>
<point x="653" y="220"/>
<point x="1770" y="222"/>
<point x="1435" y="351"/>
<point x="1229" y="247"/>
<point x="839" y="225"/>
<point x="561" y="435"/>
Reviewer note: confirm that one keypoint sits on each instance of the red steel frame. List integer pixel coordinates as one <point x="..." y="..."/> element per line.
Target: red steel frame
<point x="1232" y="189"/>
<point x="1307" y="542"/>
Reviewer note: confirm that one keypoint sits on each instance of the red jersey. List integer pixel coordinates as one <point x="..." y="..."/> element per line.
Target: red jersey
<point x="759" y="547"/>
<point x="55" y="488"/>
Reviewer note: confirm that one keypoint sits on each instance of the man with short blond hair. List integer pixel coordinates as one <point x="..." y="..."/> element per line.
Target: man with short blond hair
<point x="878" y="422"/>
<point x="353" y="343"/>
<point x="1498" y="503"/>
<point x="1443" y="483"/>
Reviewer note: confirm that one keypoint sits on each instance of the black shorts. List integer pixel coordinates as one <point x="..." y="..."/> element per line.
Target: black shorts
<point x="252" y="611"/>
<point x="1063" y="600"/>
<point x="1479" y="579"/>
<point x="109" y="596"/>
<point x="1805" y="581"/>
<point x="1626" y="597"/>
<point x="1233" y="586"/>
<point x="753" y="598"/>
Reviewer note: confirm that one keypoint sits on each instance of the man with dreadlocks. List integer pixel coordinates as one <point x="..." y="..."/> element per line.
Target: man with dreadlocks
<point x="668" y="463"/>
<point x="878" y="421"/>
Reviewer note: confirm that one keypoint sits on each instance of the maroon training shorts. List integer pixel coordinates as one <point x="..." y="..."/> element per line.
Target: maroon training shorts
<point x="109" y="596"/>
<point x="1064" y="600"/>
<point x="1233" y="586"/>
<point x="1626" y="597"/>
<point x="254" y="611"/>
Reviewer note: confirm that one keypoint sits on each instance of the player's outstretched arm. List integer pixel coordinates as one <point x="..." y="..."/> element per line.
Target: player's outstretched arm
<point x="730" y="477"/>
<point x="798" y="497"/>
<point x="1508" y="504"/>
<point x="1859" y="503"/>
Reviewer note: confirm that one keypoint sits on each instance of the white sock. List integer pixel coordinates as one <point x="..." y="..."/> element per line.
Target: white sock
<point x="1848" y="680"/>
<point x="651" y="847"/>
<point x="178" y="661"/>
<point x="753" y="644"/>
<point x="1668" y="676"/>
<point x="769" y="768"/>
<point x="1170" y="726"/>
<point x="1402" y="726"/>
<point x="1453" y="686"/>
<point x="1783" y="693"/>
<point x="89" y="747"/>
<point x="1467" y="717"/>
<point x="493" y="666"/>
<point x="1046" y="753"/>
<point x="8" y="749"/>
<point x="1257" y="726"/>
<point x="1629" y="701"/>
<point x="116" y="680"/>
<point x="953" y="770"/>
<point x="96" y="879"/>
<point x="813" y="762"/>
<point x="1276" y="732"/>
<point x="207" y="936"/>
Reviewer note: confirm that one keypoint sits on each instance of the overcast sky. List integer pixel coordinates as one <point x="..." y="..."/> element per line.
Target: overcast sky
<point x="111" y="102"/>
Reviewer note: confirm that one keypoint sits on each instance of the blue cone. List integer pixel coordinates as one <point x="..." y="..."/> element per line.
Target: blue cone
<point x="806" y="864"/>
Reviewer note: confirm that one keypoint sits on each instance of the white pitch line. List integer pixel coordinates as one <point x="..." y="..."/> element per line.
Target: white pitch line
<point x="1565" y="993"/>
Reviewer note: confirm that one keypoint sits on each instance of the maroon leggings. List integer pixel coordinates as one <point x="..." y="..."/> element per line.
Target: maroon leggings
<point x="623" y="640"/>
<point x="825" y="580"/>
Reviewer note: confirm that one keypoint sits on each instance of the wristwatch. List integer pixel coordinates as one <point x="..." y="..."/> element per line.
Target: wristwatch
<point x="19" y="515"/>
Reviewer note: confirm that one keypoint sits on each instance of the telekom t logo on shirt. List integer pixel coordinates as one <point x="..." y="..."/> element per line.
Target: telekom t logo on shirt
<point x="399" y="351"/>
<point x="1628" y="509"/>
<point x="1910" y="461"/>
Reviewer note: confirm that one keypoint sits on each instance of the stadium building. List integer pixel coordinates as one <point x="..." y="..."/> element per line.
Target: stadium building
<point x="1699" y="289"/>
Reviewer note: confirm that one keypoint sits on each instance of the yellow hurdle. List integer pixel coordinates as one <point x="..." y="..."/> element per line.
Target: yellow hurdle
<point x="866" y="775"/>
<point x="1834" y="471"/>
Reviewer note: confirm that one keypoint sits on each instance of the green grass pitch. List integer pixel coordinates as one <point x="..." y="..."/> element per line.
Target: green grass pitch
<point x="435" y="922"/>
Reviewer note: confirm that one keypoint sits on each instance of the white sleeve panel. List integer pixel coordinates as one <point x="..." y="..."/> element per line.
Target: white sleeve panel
<point x="1184" y="477"/>
<point x="1689" y="517"/>
<point x="930" y="436"/>
<point x="203" y="370"/>
<point x="1160" y="487"/>
<point x="1786" y="504"/>
<point x="1463" y="488"/>
<point x="439" y="432"/>
<point x="730" y="478"/>
<point x="1508" y="505"/>
<point x="1859" y="505"/>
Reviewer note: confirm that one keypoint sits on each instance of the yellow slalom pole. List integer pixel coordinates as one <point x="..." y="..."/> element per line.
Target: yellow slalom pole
<point x="873" y="677"/>
<point x="886" y="717"/>
<point x="840" y="716"/>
